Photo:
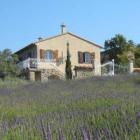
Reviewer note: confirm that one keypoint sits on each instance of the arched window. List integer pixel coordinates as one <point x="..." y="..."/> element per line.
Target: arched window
<point x="49" y="55"/>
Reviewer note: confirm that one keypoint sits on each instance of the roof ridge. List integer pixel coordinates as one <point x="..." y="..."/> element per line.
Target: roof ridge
<point x="51" y="37"/>
<point x="85" y="40"/>
<point x="59" y="36"/>
<point x="72" y="35"/>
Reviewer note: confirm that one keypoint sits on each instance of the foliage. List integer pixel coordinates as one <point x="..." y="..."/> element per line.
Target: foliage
<point x="8" y="65"/>
<point x="119" y="49"/>
<point x="68" y="65"/>
<point x="137" y="56"/>
<point x="114" y="46"/>
<point x="96" y="108"/>
<point x="127" y="53"/>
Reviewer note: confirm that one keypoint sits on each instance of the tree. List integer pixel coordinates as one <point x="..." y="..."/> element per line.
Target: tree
<point x="127" y="53"/>
<point x="68" y="65"/>
<point x="137" y="56"/>
<point x="118" y="48"/>
<point x="8" y="65"/>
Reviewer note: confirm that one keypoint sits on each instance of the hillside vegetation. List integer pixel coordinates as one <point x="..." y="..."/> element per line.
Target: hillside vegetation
<point x="100" y="108"/>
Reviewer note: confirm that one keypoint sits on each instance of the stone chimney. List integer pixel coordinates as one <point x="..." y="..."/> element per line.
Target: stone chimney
<point x="63" y="29"/>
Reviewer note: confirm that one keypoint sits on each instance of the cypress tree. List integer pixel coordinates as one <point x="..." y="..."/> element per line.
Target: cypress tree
<point x="68" y="65"/>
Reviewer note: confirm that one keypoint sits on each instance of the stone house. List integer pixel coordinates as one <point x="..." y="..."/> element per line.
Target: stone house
<point x="45" y="59"/>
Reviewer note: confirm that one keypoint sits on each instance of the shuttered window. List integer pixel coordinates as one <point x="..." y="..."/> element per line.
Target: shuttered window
<point x="86" y="57"/>
<point x="49" y="55"/>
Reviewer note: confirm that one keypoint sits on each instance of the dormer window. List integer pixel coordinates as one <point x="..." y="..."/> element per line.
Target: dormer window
<point x="49" y="55"/>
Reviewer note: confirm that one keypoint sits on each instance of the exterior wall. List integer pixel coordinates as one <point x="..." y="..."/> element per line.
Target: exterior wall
<point x="75" y="45"/>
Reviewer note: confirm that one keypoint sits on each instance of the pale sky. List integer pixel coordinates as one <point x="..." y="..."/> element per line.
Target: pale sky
<point x="23" y="21"/>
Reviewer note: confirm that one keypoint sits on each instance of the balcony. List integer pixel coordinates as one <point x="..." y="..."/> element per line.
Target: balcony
<point x="34" y="63"/>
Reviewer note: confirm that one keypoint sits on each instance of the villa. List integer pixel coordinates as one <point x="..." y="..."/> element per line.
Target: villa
<point x="46" y="58"/>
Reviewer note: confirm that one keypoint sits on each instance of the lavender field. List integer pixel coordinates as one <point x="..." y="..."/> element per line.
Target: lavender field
<point x="99" y="108"/>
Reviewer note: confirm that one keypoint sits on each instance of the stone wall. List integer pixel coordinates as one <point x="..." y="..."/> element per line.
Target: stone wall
<point x="31" y="75"/>
<point x="48" y="74"/>
<point x="83" y="74"/>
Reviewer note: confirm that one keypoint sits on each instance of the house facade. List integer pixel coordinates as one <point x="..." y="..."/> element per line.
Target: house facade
<point x="46" y="58"/>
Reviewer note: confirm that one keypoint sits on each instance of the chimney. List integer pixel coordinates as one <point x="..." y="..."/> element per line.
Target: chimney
<point x="63" y="29"/>
<point x="40" y="38"/>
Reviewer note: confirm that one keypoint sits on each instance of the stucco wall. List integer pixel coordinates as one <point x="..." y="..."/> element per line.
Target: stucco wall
<point x="75" y="44"/>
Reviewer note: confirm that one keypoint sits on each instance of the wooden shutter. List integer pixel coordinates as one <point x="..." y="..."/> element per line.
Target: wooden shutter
<point x="83" y="57"/>
<point x="42" y="54"/>
<point x="92" y="56"/>
<point x="89" y="58"/>
<point x="55" y="54"/>
<point x="80" y="57"/>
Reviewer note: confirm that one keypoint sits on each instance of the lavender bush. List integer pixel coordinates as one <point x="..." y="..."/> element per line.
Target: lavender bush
<point x="97" y="108"/>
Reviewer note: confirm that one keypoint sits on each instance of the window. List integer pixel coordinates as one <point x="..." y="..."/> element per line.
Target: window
<point x="48" y="55"/>
<point x="87" y="57"/>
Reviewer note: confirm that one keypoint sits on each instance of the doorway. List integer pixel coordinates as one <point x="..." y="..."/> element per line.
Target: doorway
<point x="38" y="76"/>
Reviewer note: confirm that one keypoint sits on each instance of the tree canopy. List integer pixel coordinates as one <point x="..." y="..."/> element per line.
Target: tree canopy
<point x="119" y="49"/>
<point x="137" y="56"/>
<point x="8" y="65"/>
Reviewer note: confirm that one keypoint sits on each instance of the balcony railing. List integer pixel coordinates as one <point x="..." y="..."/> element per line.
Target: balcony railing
<point x="36" y="63"/>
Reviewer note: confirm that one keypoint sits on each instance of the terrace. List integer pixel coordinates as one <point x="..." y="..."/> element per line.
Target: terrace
<point x="34" y="63"/>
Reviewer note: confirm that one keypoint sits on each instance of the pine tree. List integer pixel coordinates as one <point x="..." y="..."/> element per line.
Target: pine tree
<point x="68" y="65"/>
